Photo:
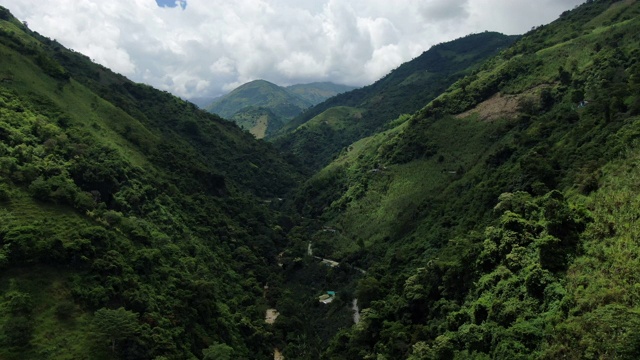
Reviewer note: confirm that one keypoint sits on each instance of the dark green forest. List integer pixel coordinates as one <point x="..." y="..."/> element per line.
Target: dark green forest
<point x="492" y="215"/>
<point x="133" y="224"/>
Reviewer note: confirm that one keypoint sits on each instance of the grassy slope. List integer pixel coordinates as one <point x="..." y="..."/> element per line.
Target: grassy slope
<point x="244" y="103"/>
<point x="337" y="118"/>
<point x="404" y="90"/>
<point x="258" y="121"/>
<point x="57" y="336"/>
<point x="395" y="192"/>
<point x="263" y="108"/>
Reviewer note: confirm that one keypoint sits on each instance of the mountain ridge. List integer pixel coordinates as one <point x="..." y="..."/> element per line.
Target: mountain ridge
<point x="403" y="90"/>
<point x="498" y="220"/>
<point x="281" y="103"/>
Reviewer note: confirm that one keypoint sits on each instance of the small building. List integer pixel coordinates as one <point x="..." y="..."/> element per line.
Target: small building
<point x="327" y="298"/>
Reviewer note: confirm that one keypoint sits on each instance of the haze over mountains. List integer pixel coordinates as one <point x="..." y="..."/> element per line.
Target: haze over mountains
<point x="478" y="202"/>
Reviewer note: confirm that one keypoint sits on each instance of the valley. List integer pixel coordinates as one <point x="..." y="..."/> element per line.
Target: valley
<point x="477" y="202"/>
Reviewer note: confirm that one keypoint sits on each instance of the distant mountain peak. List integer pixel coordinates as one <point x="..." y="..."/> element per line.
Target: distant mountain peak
<point x="282" y="103"/>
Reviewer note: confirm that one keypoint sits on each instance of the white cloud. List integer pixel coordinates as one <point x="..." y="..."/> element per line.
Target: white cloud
<point x="441" y="10"/>
<point x="212" y="46"/>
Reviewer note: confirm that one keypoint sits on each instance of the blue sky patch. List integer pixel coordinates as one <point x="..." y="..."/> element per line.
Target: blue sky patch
<point x="172" y="3"/>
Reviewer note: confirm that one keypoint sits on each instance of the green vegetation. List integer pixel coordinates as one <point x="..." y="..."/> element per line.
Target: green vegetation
<point x="259" y="93"/>
<point x="486" y="222"/>
<point x="403" y="91"/>
<point x="258" y="120"/>
<point x="132" y="224"/>
<point x="317" y="92"/>
<point x="115" y="325"/>
<point x="491" y="215"/>
<point x="263" y="107"/>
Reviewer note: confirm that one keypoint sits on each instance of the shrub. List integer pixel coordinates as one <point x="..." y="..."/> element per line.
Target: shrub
<point x="5" y="194"/>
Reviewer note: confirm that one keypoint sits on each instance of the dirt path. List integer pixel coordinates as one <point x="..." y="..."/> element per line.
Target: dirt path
<point x="277" y="355"/>
<point x="356" y="311"/>
<point x="270" y="317"/>
<point x="329" y="262"/>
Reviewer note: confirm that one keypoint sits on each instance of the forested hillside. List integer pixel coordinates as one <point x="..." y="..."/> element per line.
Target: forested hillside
<point x="499" y="221"/>
<point x="132" y="224"/>
<point x="403" y="91"/>
<point x="263" y="107"/>
<point x="484" y="209"/>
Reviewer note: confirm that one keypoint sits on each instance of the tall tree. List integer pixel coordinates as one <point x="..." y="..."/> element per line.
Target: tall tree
<point x="115" y="325"/>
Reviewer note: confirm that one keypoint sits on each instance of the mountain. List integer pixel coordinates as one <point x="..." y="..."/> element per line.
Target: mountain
<point x="260" y="121"/>
<point x="133" y="225"/>
<point x="498" y="221"/>
<point x="201" y="102"/>
<point x="263" y="107"/>
<point x="403" y="91"/>
<point x="317" y="92"/>
<point x="259" y="93"/>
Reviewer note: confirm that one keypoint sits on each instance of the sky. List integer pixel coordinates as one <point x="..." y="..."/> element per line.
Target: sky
<point x="205" y="48"/>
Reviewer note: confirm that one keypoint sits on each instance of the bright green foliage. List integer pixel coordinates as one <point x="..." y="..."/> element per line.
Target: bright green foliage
<point x="115" y="325"/>
<point x="218" y="352"/>
<point x="603" y="318"/>
<point x="498" y="222"/>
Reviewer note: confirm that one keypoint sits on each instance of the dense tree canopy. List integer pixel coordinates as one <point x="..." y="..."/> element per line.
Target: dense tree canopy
<point x="496" y="221"/>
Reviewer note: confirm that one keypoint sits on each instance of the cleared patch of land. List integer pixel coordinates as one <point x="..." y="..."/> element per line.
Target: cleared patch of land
<point x="271" y="316"/>
<point x="504" y="106"/>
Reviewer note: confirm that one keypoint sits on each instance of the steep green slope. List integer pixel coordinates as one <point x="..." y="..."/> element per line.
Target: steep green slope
<point x="259" y="121"/>
<point x="328" y="127"/>
<point x="132" y="223"/>
<point x="497" y="222"/>
<point x="403" y="91"/>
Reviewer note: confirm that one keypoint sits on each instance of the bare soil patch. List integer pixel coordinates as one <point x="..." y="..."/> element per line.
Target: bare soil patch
<point x="271" y="316"/>
<point x="503" y="106"/>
